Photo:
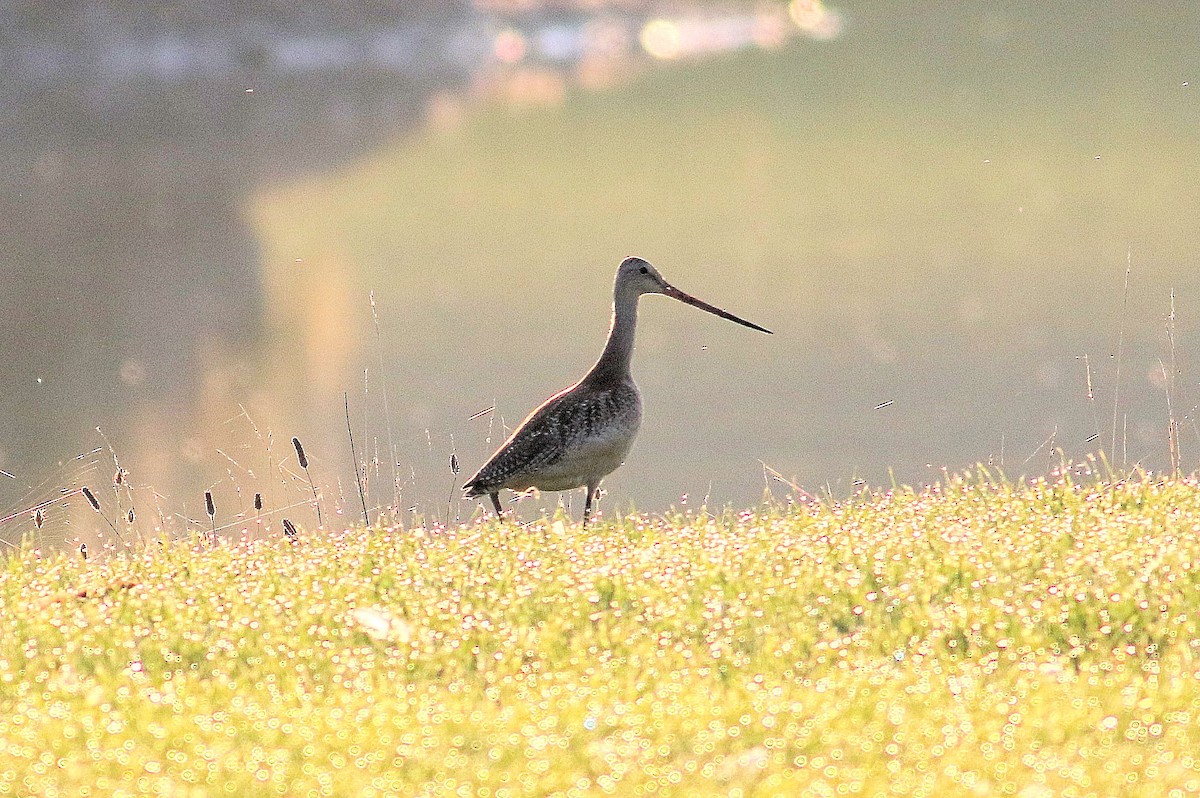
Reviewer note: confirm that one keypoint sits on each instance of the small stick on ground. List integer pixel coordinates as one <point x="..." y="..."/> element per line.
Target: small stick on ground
<point x="1091" y="397"/>
<point x="1172" y="397"/>
<point x="387" y="411"/>
<point x="211" y="509"/>
<point x="1120" y="351"/>
<point x="92" y="500"/>
<point x="303" y="458"/>
<point x="453" y="482"/>
<point x="354" y="456"/>
<point x="1048" y="442"/>
<point x="37" y="508"/>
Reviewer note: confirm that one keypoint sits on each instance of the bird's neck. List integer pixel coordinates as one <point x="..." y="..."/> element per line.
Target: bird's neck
<point x="614" y="361"/>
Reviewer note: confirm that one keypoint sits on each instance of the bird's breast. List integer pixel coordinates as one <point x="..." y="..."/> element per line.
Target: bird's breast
<point x="600" y="439"/>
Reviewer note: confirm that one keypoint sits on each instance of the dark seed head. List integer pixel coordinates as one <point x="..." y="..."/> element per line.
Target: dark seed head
<point x="39" y="519"/>
<point x="118" y="477"/>
<point x="208" y="504"/>
<point x="300" y="453"/>
<point x="131" y="516"/>
<point x="83" y="550"/>
<point x="258" y="502"/>
<point x="289" y="529"/>
<point x="91" y="497"/>
<point x="454" y="463"/>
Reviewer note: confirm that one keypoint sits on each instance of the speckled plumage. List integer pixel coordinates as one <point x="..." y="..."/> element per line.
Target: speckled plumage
<point x="580" y="435"/>
<point x="575" y="438"/>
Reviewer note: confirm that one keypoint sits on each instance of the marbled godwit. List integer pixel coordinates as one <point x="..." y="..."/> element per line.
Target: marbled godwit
<point x="582" y="434"/>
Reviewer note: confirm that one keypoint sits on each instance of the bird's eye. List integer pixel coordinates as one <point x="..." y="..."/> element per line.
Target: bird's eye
<point x="644" y="270"/>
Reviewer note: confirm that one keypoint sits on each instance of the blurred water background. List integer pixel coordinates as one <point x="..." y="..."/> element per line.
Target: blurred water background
<point x="972" y="226"/>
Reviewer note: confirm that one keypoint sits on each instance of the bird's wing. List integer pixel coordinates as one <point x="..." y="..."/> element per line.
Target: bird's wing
<point x="543" y="438"/>
<point x="536" y="443"/>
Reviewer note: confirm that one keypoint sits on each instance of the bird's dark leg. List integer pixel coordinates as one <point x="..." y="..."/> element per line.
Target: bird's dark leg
<point x="496" y="503"/>
<point x="592" y="491"/>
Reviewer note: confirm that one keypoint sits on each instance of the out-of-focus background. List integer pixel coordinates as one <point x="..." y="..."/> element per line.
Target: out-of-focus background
<point x="220" y="220"/>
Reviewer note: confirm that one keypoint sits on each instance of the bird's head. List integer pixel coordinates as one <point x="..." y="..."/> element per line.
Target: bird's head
<point x="638" y="277"/>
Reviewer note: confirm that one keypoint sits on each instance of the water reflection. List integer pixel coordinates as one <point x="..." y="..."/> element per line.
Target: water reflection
<point x="936" y="207"/>
<point x="132" y="295"/>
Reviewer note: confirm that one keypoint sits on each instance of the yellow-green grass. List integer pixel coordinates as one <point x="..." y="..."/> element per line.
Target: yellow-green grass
<point x="972" y="638"/>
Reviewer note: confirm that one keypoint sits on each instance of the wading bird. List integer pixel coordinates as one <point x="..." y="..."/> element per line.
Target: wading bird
<point x="582" y="434"/>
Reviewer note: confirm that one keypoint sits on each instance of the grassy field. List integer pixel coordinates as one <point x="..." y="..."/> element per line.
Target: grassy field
<point x="970" y="639"/>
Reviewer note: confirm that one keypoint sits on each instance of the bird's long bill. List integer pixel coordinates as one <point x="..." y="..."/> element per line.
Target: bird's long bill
<point x="675" y="293"/>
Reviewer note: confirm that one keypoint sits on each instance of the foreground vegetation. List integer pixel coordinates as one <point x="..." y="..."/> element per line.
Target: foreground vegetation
<point x="972" y="638"/>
